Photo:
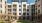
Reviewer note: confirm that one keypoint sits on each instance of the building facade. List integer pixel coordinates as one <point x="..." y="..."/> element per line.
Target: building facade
<point x="2" y="6"/>
<point x="33" y="12"/>
<point x="16" y="9"/>
<point x="38" y="11"/>
<point x="19" y="9"/>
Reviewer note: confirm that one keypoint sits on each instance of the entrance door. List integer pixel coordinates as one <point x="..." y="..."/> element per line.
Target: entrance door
<point x="24" y="18"/>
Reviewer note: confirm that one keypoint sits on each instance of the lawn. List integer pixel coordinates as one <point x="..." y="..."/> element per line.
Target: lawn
<point x="24" y="21"/>
<point x="4" y="21"/>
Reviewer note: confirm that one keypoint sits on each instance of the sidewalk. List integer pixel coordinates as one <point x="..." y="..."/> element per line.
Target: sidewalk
<point x="14" y="21"/>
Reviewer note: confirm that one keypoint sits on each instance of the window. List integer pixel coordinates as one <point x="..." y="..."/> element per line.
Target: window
<point x="27" y="9"/>
<point x="0" y="0"/>
<point x="38" y="11"/>
<point x="38" y="18"/>
<point x="0" y="5"/>
<point x="19" y="13"/>
<point x="38" y="5"/>
<point x="24" y="13"/>
<point x="32" y="14"/>
<point x="36" y="8"/>
<point x="20" y="18"/>
<point x="27" y="13"/>
<point x="15" y="17"/>
<point x="14" y="9"/>
<point x="14" y="13"/>
<point x="19" y="9"/>
<point x="5" y="11"/>
<point x="14" y="6"/>
<point x="5" y="2"/>
<point x="38" y="0"/>
<point x="19" y="5"/>
<point x="24" y="9"/>
<point x="24" y="5"/>
<point x="27" y="6"/>
<point x="9" y="13"/>
<point x="5" y="7"/>
<point x="33" y="10"/>
<point x="9" y="10"/>
<point x="27" y="18"/>
<point x="9" y="6"/>
<point x="1" y="11"/>
<point x="11" y="17"/>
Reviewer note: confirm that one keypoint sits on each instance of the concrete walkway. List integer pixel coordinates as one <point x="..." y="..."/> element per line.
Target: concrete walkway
<point x="14" y="21"/>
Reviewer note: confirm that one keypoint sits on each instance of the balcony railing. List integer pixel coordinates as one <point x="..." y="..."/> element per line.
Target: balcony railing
<point x="24" y="7"/>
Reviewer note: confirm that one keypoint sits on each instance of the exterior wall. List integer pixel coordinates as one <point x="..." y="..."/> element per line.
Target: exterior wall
<point x="23" y="7"/>
<point x="39" y="8"/>
<point x="38" y="16"/>
<point x="17" y="9"/>
<point x="8" y="8"/>
<point x="3" y="6"/>
<point x="29" y="7"/>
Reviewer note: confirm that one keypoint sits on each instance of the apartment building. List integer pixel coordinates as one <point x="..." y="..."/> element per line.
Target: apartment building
<point x="3" y="16"/>
<point x="18" y="10"/>
<point x="38" y="11"/>
<point x="2" y="7"/>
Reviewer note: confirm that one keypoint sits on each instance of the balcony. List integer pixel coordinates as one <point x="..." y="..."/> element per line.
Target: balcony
<point x="9" y="6"/>
<point x="14" y="10"/>
<point x="24" y="10"/>
<point x="14" y="13"/>
<point x="9" y="11"/>
<point x="14" y="7"/>
<point x="24" y="7"/>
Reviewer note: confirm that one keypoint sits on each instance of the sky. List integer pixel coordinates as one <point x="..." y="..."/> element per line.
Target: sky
<point x="28" y="1"/>
<point x="31" y="1"/>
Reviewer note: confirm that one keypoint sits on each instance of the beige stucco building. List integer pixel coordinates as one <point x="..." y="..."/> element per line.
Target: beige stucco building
<point x="38" y="11"/>
<point x="2" y="6"/>
<point x="17" y="10"/>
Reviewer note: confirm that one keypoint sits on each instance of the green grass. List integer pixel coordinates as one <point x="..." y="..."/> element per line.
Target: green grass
<point x="24" y="21"/>
<point x="4" y="21"/>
